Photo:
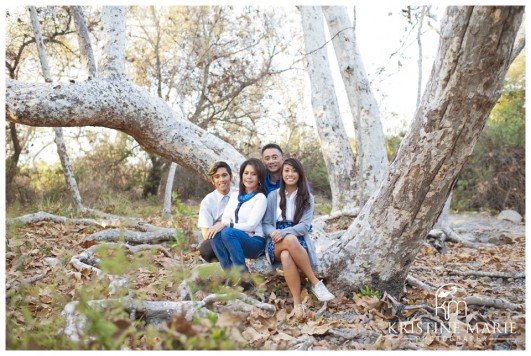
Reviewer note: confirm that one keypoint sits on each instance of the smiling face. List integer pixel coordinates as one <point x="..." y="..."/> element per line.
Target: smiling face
<point x="290" y="176"/>
<point x="272" y="159"/>
<point x="250" y="178"/>
<point x="221" y="180"/>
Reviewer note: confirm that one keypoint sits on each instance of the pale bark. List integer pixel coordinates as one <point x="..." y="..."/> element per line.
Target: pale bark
<point x="116" y="103"/>
<point x="112" y="61"/>
<point x="166" y="211"/>
<point x="338" y="156"/>
<point x="442" y="220"/>
<point x="473" y="57"/>
<point x="419" y="60"/>
<point x="67" y="170"/>
<point x="519" y="42"/>
<point x="87" y="55"/>
<point x="370" y="140"/>
<point x="59" y="140"/>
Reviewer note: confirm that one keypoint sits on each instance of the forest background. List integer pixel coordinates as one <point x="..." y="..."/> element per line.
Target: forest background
<point x="112" y="170"/>
<point x="263" y="97"/>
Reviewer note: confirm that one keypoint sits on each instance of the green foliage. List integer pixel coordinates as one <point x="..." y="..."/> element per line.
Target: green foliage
<point x="494" y="176"/>
<point x="369" y="292"/>
<point x="392" y="143"/>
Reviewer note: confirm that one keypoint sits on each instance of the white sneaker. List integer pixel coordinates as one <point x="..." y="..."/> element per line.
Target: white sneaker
<point x="322" y="293"/>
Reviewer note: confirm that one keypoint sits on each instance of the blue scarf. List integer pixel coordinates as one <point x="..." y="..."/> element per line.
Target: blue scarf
<point x="242" y="199"/>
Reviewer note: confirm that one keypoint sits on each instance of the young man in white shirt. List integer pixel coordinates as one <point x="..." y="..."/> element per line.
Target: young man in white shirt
<point x="213" y="205"/>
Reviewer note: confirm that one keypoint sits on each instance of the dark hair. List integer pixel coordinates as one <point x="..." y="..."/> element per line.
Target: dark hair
<point x="217" y="165"/>
<point x="272" y="145"/>
<point x="260" y="172"/>
<point x="302" y="202"/>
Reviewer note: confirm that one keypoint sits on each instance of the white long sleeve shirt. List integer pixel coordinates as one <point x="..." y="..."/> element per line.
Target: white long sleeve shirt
<point x="249" y="216"/>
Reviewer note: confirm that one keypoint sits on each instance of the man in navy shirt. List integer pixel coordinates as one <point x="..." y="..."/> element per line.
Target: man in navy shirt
<point x="272" y="157"/>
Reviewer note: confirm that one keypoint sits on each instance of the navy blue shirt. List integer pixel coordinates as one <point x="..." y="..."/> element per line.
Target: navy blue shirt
<point x="269" y="186"/>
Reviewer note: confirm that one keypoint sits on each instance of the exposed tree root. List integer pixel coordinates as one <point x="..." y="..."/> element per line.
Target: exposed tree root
<point x="30" y="280"/>
<point x="350" y="334"/>
<point x="489" y="274"/>
<point x="109" y="221"/>
<point x="154" y="313"/>
<point x="419" y="284"/>
<point x="471" y="300"/>
<point x="136" y="237"/>
<point x="493" y="302"/>
<point x="321" y="310"/>
<point x="149" y="233"/>
<point x="453" y="236"/>
<point x="302" y="343"/>
<point x="86" y="259"/>
<point x="157" y="313"/>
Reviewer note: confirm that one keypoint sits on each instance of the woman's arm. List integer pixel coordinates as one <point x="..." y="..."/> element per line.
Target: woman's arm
<point x="269" y="221"/>
<point x="226" y="218"/>
<point x="257" y="211"/>
<point x="303" y="227"/>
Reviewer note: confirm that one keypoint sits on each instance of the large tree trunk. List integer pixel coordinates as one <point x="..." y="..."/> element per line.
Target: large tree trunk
<point x="370" y="139"/>
<point x="114" y="102"/>
<point x="338" y="156"/>
<point x="473" y="57"/>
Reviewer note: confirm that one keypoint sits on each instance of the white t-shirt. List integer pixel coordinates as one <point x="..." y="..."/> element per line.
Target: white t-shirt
<point x="212" y="207"/>
<point x="249" y="216"/>
<point x="290" y="206"/>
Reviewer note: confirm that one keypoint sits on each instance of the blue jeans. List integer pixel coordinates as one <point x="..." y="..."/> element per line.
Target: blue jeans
<point x="232" y="246"/>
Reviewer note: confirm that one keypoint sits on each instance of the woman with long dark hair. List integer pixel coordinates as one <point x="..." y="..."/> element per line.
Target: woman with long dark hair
<point x="242" y="236"/>
<point x="287" y="223"/>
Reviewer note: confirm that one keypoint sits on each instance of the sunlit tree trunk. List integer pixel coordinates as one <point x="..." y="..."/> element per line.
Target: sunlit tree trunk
<point x="370" y="139"/>
<point x="339" y="158"/>
<point x="473" y="57"/>
<point x="85" y="47"/>
<point x="166" y="211"/>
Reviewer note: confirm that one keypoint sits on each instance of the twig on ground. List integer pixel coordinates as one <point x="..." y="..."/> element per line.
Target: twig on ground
<point x="321" y="311"/>
<point x="419" y="284"/>
<point x="30" y="280"/>
<point x="489" y="274"/>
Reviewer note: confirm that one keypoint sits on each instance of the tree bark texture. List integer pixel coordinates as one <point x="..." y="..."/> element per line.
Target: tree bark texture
<point x="473" y="57"/>
<point x="338" y="156"/>
<point x="87" y="55"/>
<point x="370" y="140"/>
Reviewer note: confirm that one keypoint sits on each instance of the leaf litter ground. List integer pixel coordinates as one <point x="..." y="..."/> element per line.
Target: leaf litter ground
<point x="349" y="322"/>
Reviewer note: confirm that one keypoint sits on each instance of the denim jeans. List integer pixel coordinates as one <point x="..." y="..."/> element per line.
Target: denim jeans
<point x="232" y="246"/>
